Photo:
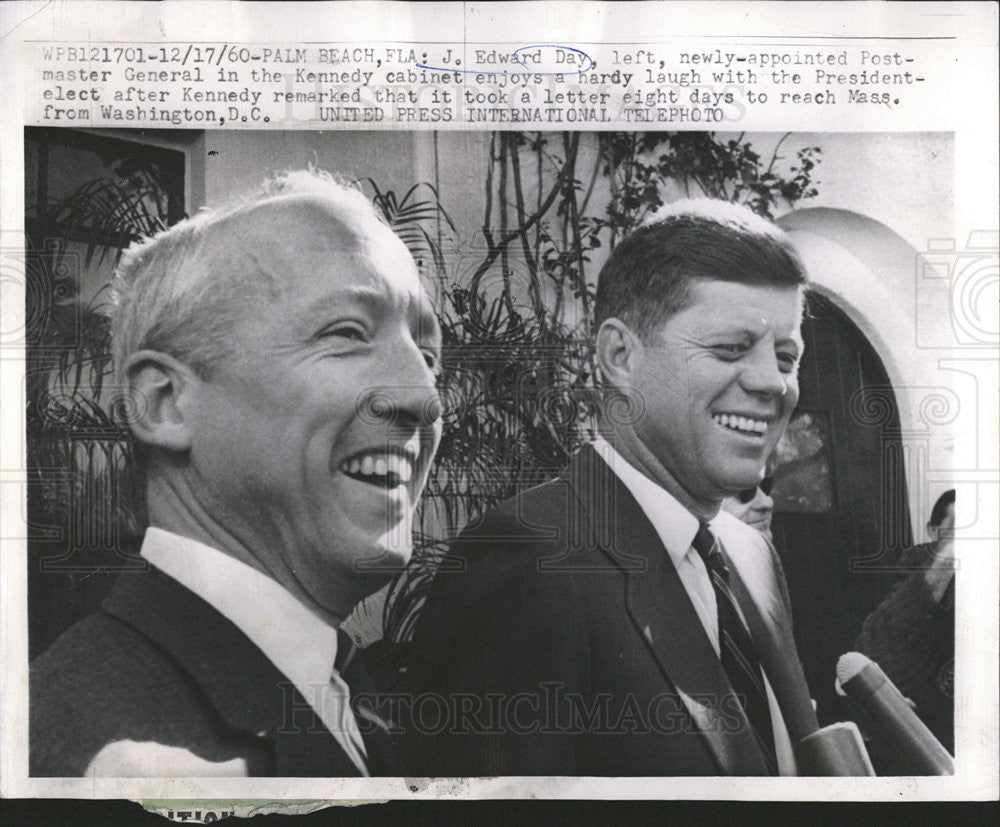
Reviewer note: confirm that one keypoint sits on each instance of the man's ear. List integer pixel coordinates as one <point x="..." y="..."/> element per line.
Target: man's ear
<point x="618" y="352"/>
<point x="161" y="389"/>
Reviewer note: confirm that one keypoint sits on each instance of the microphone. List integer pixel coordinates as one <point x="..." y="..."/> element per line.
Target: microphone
<point x="836" y="749"/>
<point x="893" y="722"/>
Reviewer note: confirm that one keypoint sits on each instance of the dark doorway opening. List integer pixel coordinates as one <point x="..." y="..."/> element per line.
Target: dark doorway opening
<point x="841" y="510"/>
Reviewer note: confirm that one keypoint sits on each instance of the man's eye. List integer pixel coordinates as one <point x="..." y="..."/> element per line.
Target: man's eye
<point x="351" y="332"/>
<point x="431" y="358"/>
<point x="787" y="362"/>
<point x="730" y="349"/>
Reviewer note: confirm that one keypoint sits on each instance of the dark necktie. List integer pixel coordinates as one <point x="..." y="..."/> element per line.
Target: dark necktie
<point x="736" y="649"/>
<point x="373" y="728"/>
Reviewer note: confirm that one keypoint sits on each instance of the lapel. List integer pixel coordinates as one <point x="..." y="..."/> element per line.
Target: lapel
<point x="659" y="608"/>
<point x="772" y="633"/>
<point x="236" y="678"/>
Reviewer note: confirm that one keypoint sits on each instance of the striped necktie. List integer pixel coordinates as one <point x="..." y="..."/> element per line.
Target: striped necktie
<point x="736" y="649"/>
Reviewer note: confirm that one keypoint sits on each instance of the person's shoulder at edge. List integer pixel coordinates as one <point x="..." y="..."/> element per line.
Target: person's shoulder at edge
<point x="494" y="621"/>
<point x="99" y="682"/>
<point x="493" y="565"/>
<point x="526" y="522"/>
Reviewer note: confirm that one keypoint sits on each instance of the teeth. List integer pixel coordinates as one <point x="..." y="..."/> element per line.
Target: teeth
<point x="741" y="423"/>
<point x="400" y="466"/>
<point x="380" y="465"/>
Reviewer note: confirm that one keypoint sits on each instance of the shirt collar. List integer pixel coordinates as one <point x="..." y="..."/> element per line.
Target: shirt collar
<point x="675" y="525"/>
<point x="300" y="644"/>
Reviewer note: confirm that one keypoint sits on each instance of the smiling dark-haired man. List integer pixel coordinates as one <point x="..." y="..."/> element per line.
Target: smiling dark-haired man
<point x="614" y="621"/>
<point x="280" y="358"/>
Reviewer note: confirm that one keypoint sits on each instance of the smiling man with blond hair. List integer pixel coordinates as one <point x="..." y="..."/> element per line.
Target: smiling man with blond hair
<point x="280" y="359"/>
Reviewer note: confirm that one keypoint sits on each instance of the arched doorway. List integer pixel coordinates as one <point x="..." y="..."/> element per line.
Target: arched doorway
<point x="841" y="510"/>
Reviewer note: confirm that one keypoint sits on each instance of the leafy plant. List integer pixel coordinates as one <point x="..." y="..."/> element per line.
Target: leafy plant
<point x="75" y="434"/>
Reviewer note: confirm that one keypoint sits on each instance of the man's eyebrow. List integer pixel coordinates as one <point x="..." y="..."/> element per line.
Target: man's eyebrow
<point x="372" y="299"/>
<point x="740" y="330"/>
<point x="729" y="328"/>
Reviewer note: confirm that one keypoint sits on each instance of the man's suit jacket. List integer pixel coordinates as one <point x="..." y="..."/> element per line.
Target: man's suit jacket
<point x="160" y="682"/>
<point x="559" y="640"/>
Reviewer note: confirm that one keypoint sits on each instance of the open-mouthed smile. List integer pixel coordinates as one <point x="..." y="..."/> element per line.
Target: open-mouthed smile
<point x="380" y="467"/>
<point x="744" y="425"/>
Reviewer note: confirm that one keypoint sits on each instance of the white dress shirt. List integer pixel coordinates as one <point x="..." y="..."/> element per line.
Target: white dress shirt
<point x="301" y="645"/>
<point x="676" y="527"/>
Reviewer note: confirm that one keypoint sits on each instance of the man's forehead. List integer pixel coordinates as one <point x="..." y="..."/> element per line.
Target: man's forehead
<point x="738" y="301"/>
<point x="716" y="289"/>
<point x="376" y="296"/>
<point x="284" y="234"/>
<point x="302" y="220"/>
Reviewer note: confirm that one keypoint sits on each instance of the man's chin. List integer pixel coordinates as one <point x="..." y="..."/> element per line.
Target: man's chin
<point x="735" y="483"/>
<point x="385" y="561"/>
<point x="730" y="489"/>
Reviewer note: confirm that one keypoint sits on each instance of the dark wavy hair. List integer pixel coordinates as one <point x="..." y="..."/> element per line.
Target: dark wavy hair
<point x="646" y="279"/>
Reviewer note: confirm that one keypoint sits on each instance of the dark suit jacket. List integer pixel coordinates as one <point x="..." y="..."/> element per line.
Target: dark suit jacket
<point x="559" y="640"/>
<point x="159" y="666"/>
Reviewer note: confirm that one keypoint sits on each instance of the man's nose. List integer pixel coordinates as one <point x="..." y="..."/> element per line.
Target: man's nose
<point x="400" y="407"/>
<point x="762" y="374"/>
<point x="407" y="396"/>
